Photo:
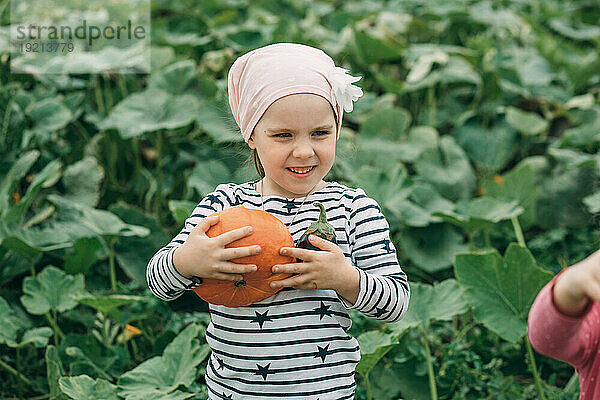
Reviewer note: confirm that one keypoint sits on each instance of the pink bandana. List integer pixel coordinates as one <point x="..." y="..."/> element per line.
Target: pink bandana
<point x="262" y="76"/>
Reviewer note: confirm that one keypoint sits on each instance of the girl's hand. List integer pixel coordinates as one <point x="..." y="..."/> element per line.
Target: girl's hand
<point x="207" y="257"/>
<point x="326" y="269"/>
<point x="577" y="286"/>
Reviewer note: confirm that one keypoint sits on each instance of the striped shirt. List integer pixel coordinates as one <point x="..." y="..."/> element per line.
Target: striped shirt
<point x="294" y="344"/>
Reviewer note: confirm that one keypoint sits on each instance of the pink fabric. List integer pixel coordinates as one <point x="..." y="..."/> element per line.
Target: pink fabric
<point x="573" y="340"/>
<point x="262" y="76"/>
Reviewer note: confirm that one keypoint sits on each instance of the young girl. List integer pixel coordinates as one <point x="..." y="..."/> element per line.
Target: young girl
<point x="564" y="322"/>
<point x="288" y="101"/>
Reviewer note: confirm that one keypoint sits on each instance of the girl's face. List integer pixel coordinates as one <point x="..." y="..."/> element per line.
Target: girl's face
<point x="296" y="132"/>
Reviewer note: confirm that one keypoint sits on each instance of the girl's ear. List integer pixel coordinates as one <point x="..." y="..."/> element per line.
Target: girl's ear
<point x="251" y="143"/>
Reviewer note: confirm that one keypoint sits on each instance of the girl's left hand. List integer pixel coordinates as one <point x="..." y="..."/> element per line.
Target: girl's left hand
<point x="326" y="269"/>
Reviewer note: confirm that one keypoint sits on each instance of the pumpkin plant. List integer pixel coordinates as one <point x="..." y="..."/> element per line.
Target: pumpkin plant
<point x="271" y="235"/>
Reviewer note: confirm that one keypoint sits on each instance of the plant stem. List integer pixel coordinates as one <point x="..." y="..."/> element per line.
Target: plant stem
<point x="111" y="262"/>
<point x="19" y="371"/>
<point x="518" y="231"/>
<point x="15" y="373"/>
<point x="432" y="386"/>
<point x="486" y="235"/>
<point x="368" y="387"/>
<point x="58" y="334"/>
<point x="536" y="376"/>
<point x="159" y="145"/>
<point x="573" y="383"/>
<point x="98" y="93"/>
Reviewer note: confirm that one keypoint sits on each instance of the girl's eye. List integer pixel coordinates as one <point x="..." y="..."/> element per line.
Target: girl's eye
<point x="318" y="133"/>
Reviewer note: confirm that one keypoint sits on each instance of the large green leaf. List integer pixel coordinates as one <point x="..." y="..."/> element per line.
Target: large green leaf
<point x="17" y="171"/>
<point x="86" y="354"/>
<point x="106" y="304"/>
<point x="159" y="377"/>
<point x="207" y="175"/>
<point x="84" y="387"/>
<point x="54" y="370"/>
<point x="517" y="184"/>
<point x="149" y="111"/>
<point x="525" y="122"/>
<point x="501" y="290"/>
<point x="174" y="78"/>
<point x="480" y="213"/>
<point x="429" y="303"/>
<point x="82" y="181"/>
<point x="51" y="289"/>
<point x="85" y="221"/>
<point x="133" y="252"/>
<point x="489" y="148"/>
<point x="387" y="123"/>
<point x="448" y="169"/>
<point x="432" y="248"/>
<point x="373" y="346"/>
<point x="214" y="118"/>
<point x="10" y="324"/>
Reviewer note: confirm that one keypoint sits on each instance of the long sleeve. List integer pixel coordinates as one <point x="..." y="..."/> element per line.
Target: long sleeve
<point x="164" y="281"/>
<point x="384" y="290"/>
<point x="559" y="336"/>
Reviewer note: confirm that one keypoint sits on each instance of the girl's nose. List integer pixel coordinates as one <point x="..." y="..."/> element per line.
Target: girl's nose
<point x="303" y="149"/>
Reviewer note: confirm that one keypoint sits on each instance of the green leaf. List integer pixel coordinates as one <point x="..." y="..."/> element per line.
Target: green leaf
<point x="430" y="303"/>
<point x="38" y="336"/>
<point x="593" y="202"/>
<point x="84" y="253"/>
<point x="432" y="248"/>
<point x="501" y="290"/>
<point x="86" y="354"/>
<point x="207" y="175"/>
<point x="525" y="122"/>
<point x="45" y="178"/>
<point x="181" y="209"/>
<point x="174" y="78"/>
<point x="10" y="324"/>
<point x="84" y="387"/>
<point x="133" y="252"/>
<point x="160" y="376"/>
<point x="489" y="148"/>
<point x="372" y="49"/>
<point x="51" y="289"/>
<point x="106" y="304"/>
<point x="149" y="111"/>
<point x="448" y="169"/>
<point x="54" y="370"/>
<point x="373" y="346"/>
<point x="480" y="213"/>
<point x="17" y="171"/>
<point x="82" y="181"/>
<point x="517" y="184"/>
<point x="214" y="117"/>
<point x="385" y="123"/>
<point x="85" y="221"/>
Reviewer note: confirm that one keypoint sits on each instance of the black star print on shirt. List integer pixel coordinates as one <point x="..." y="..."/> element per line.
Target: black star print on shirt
<point x="323" y="352"/>
<point x="380" y="312"/>
<point x="387" y="246"/>
<point x="290" y="205"/>
<point x="225" y="397"/>
<point x="213" y="199"/>
<point x="221" y="363"/>
<point x="263" y="370"/>
<point x="323" y="310"/>
<point x="261" y="318"/>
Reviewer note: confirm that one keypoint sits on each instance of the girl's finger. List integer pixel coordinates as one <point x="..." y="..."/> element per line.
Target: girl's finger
<point x="294" y="268"/>
<point x="296" y="281"/>
<point x="205" y="225"/>
<point x="227" y="237"/>
<point x="232" y="253"/>
<point x="233" y="268"/>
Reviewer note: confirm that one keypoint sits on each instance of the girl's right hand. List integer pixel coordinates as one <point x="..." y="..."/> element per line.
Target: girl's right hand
<point x="575" y="288"/>
<point x="207" y="257"/>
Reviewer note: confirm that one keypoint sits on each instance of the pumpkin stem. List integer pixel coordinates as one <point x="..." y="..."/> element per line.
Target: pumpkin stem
<point x="240" y="283"/>
<point x="321" y="224"/>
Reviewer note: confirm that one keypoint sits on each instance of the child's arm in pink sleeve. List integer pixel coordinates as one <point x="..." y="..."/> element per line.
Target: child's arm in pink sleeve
<point x="559" y="336"/>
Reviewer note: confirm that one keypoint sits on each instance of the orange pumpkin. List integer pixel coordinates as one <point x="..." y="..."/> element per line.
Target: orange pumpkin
<point x="271" y="235"/>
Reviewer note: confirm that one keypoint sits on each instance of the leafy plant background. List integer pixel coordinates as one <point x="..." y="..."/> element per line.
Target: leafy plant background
<point x="478" y="135"/>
